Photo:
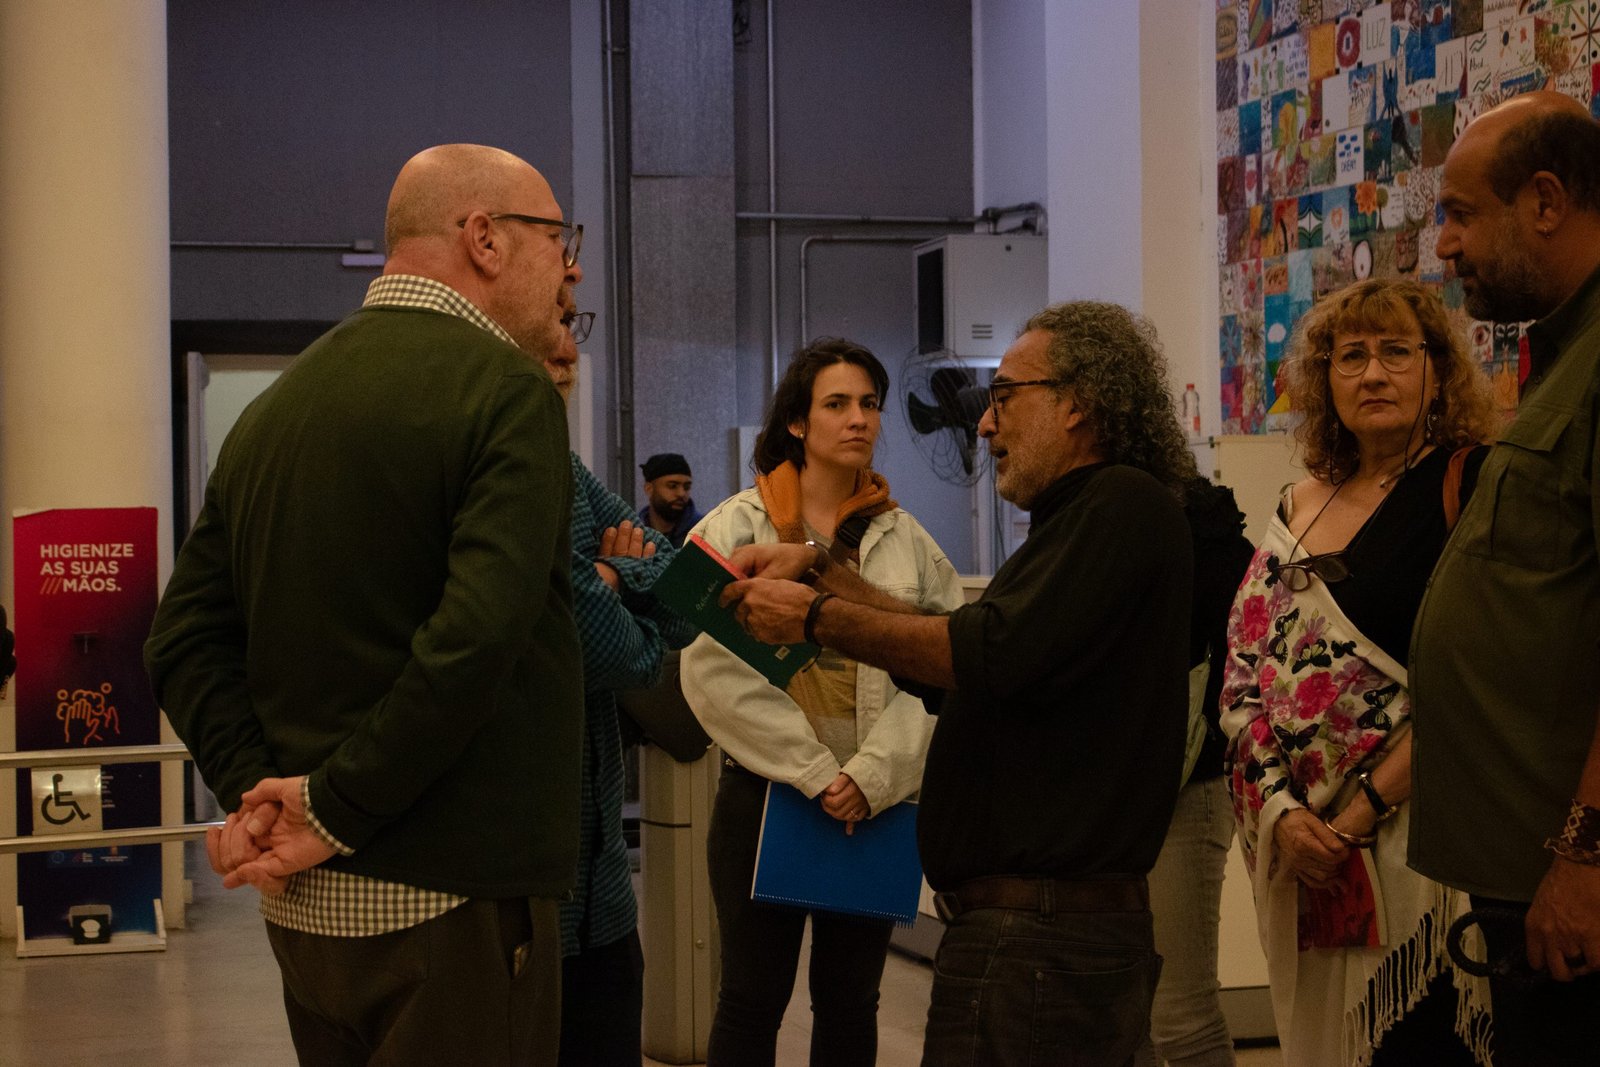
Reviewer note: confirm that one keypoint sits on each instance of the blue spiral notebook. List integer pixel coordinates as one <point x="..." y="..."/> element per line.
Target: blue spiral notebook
<point x="804" y="858"/>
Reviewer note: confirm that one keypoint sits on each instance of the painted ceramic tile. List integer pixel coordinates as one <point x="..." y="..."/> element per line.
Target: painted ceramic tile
<point x="1467" y="109"/>
<point x="1580" y="24"/>
<point x="1419" y="65"/>
<point x="1228" y="132"/>
<point x="1310" y="221"/>
<point x="1361" y="259"/>
<point x="1231" y="340"/>
<point x="1257" y="21"/>
<point x="1421" y="194"/>
<point x="1336" y="216"/>
<point x="1480" y="341"/>
<point x="1575" y="83"/>
<point x="1227" y="31"/>
<point x="1382" y="244"/>
<point x="1285" y="16"/>
<point x="1323" y="277"/>
<point x="1321" y="169"/>
<point x="1347" y="43"/>
<point x="1335" y="103"/>
<point x="1552" y="48"/>
<point x="1363" y="209"/>
<point x="1235" y="239"/>
<point x="1275" y="277"/>
<point x="1230" y="185"/>
<point x="1285" y="226"/>
<point x="1594" y="89"/>
<point x="1279" y="323"/>
<point x="1436" y="22"/>
<point x="1227" y="83"/>
<point x="1406" y="141"/>
<point x="1300" y="288"/>
<point x="1391" y="206"/>
<point x="1536" y="7"/>
<point x="1450" y="66"/>
<point x="1405" y="251"/>
<point x="1388" y="89"/>
<point x="1375" y="152"/>
<point x="1363" y="95"/>
<point x="1333" y="10"/>
<point x="1466" y="17"/>
<point x="1251" y="292"/>
<point x="1438" y="133"/>
<point x="1294" y="62"/>
<point x="1250" y="74"/>
<point x="1481" y="54"/>
<point x="1320" y="61"/>
<point x="1498" y="12"/>
<point x="1348" y="162"/>
<point x="1406" y="14"/>
<point x="1430" y="268"/>
<point x="1516" y="50"/>
<point x="1289" y="118"/>
<point x="1375" y="34"/>
<point x="1250" y="127"/>
<point x="1252" y="179"/>
<point x="1260" y="230"/>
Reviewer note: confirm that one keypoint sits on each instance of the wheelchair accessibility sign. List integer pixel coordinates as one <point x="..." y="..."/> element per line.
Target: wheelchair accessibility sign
<point x="66" y="800"/>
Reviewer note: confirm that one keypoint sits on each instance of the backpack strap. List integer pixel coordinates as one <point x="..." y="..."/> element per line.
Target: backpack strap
<point x="1452" y="486"/>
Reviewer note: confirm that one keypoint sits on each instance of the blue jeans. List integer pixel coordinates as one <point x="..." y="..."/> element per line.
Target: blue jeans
<point x="1187" y="1026"/>
<point x="1017" y="987"/>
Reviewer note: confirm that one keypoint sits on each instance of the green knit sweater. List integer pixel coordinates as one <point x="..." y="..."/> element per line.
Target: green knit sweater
<point x="377" y="594"/>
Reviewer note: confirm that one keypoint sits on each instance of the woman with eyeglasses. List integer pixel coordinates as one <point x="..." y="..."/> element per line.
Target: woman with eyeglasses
<point x="1393" y="413"/>
<point x="842" y="732"/>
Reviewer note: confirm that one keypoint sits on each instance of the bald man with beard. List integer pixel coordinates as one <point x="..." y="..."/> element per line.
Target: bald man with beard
<point x="1504" y="671"/>
<point x="368" y="639"/>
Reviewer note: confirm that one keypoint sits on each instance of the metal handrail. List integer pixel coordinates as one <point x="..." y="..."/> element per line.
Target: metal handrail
<point x="78" y="757"/>
<point x="142" y="835"/>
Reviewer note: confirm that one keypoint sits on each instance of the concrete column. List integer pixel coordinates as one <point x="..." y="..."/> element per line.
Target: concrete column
<point x="85" y="332"/>
<point x="682" y="192"/>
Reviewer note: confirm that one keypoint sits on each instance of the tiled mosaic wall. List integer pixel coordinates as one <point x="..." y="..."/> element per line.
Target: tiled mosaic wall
<point x="1333" y="119"/>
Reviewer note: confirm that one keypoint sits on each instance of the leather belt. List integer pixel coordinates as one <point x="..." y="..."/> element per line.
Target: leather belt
<point x="1044" y="895"/>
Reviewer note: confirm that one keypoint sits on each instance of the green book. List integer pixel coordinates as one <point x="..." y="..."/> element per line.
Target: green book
<point x="691" y="586"/>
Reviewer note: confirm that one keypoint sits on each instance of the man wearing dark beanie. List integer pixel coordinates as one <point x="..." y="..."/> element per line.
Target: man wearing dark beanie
<point x="669" y="509"/>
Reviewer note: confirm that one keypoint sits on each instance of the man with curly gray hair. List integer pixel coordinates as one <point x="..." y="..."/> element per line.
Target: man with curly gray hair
<point x="1061" y="697"/>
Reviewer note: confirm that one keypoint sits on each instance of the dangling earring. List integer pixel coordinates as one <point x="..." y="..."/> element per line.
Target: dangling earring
<point x="1430" y="424"/>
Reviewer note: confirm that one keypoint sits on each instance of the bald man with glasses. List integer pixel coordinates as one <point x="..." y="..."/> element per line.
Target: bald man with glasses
<point x="368" y="640"/>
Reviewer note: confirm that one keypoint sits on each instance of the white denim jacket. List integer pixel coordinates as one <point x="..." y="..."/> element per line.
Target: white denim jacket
<point x="764" y="730"/>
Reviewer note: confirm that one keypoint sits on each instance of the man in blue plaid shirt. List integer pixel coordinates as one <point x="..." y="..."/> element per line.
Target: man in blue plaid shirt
<point x="624" y="632"/>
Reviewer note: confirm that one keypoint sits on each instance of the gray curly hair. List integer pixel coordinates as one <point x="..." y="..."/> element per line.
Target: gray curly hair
<point x="1111" y="360"/>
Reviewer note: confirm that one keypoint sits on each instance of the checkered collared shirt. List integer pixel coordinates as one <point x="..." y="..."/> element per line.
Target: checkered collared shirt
<point x="338" y="903"/>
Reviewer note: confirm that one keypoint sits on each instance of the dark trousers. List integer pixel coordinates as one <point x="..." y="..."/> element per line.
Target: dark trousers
<point x="479" y="984"/>
<point x="1013" y="987"/>
<point x="602" y="1000"/>
<point x="761" y="953"/>
<point x="1538" y="1024"/>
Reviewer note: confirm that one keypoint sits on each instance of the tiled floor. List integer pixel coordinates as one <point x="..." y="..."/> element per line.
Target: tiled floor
<point x="213" y="998"/>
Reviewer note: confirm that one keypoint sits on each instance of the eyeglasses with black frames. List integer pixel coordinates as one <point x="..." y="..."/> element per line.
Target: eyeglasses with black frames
<point x="1329" y="566"/>
<point x="580" y="324"/>
<point x="1396" y="356"/>
<point x="1000" y="391"/>
<point x="574" y="232"/>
